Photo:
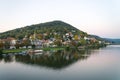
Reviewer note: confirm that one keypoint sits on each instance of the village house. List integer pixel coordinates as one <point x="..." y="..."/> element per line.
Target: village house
<point x="12" y="42"/>
<point x="89" y="38"/>
<point x="46" y="40"/>
<point x="9" y="43"/>
<point x="35" y="41"/>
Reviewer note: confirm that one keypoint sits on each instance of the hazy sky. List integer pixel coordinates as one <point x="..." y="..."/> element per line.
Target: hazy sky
<point x="100" y="17"/>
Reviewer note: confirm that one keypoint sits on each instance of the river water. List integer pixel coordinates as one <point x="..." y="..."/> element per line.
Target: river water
<point x="97" y="64"/>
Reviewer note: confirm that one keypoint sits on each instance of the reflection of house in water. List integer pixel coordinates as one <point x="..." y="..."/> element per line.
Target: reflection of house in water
<point x="1" y="58"/>
<point x="56" y="60"/>
<point x="50" y="59"/>
<point x="7" y="58"/>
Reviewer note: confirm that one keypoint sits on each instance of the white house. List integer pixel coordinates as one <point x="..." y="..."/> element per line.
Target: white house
<point x="12" y="42"/>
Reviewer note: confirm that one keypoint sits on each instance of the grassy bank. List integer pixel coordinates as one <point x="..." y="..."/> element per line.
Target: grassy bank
<point x="20" y="50"/>
<point x="53" y="48"/>
<point x="49" y="48"/>
<point x="13" y="50"/>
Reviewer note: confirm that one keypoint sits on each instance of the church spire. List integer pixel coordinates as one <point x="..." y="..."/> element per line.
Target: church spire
<point x="34" y="35"/>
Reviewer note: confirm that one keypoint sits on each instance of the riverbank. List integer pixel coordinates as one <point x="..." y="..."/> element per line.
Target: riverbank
<point x="5" y="51"/>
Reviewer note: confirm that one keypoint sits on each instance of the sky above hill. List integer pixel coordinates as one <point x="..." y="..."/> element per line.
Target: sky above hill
<point x="99" y="17"/>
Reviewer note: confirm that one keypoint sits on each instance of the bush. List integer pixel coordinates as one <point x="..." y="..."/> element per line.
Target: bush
<point x="67" y="48"/>
<point x="1" y="51"/>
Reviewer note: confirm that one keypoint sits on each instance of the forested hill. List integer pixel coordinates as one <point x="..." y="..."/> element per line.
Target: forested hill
<point x="113" y="41"/>
<point x="48" y="27"/>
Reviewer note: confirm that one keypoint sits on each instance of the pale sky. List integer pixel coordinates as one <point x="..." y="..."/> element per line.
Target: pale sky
<point x="99" y="17"/>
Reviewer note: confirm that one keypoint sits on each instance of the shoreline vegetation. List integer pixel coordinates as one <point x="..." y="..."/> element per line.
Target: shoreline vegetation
<point x="6" y="51"/>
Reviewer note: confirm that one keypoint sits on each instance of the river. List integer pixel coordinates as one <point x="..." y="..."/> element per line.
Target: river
<point x="97" y="64"/>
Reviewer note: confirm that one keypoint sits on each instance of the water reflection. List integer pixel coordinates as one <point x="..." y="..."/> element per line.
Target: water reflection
<point x="100" y="64"/>
<point x="1" y="58"/>
<point x="52" y="59"/>
<point x="6" y="58"/>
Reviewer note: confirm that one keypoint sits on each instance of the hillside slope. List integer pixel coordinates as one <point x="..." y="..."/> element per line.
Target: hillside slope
<point x="53" y="26"/>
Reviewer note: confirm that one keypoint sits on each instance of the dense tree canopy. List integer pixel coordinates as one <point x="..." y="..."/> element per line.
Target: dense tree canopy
<point x="49" y="28"/>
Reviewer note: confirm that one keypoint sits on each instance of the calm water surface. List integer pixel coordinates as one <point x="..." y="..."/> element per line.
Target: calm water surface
<point x="99" y="64"/>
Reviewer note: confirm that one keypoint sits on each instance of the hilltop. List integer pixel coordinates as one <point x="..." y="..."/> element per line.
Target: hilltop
<point x="59" y="27"/>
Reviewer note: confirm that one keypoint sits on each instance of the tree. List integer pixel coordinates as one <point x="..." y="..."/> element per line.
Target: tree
<point x="17" y="45"/>
<point x="1" y="45"/>
<point x="40" y="36"/>
<point x="58" y="42"/>
<point x="83" y="41"/>
<point x="7" y="45"/>
<point x="76" y="37"/>
<point x="26" y="42"/>
<point x="1" y="50"/>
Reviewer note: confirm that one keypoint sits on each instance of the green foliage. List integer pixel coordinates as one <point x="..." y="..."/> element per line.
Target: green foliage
<point x="13" y="50"/>
<point x="1" y="51"/>
<point x="1" y="45"/>
<point x="58" y="27"/>
<point x="83" y="41"/>
<point x="58" y="43"/>
<point x="67" y="48"/>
